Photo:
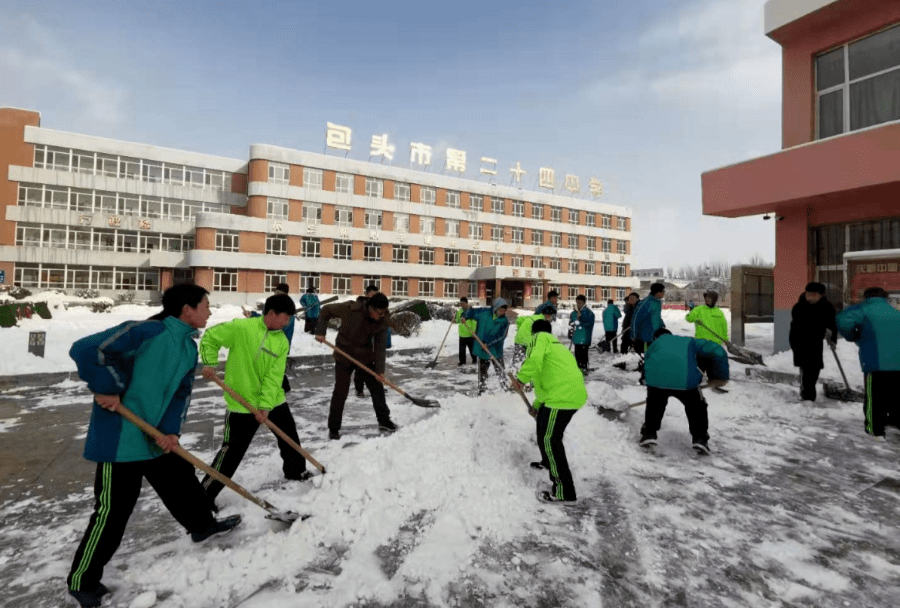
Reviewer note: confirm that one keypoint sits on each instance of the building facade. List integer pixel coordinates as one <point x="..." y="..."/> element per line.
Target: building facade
<point x="82" y="212"/>
<point x="833" y="191"/>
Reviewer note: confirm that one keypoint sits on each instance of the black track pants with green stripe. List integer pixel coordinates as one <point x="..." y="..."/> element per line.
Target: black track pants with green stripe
<point x="882" y="405"/>
<point x="239" y="431"/>
<point x="117" y="486"/>
<point x="551" y="424"/>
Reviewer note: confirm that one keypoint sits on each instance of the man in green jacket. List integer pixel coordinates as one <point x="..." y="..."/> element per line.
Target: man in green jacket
<point x="466" y="332"/>
<point x="524" y="324"/>
<point x="559" y="392"/>
<point x="711" y="316"/>
<point x="257" y="357"/>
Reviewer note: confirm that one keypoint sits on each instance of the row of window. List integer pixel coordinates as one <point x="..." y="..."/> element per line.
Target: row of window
<point x="125" y="167"/>
<point x="112" y="203"/>
<point x="99" y="239"/>
<point x="374" y="188"/>
<point x="62" y="276"/>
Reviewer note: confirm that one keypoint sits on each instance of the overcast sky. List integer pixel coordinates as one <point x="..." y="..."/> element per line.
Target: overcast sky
<point x="643" y="94"/>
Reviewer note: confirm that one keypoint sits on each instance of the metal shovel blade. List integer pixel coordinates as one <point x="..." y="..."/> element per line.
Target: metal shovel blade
<point x="422" y="402"/>
<point x="431" y="365"/>
<point x="287" y="517"/>
<point x="841" y="393"/>
<point x="749" y="355"/>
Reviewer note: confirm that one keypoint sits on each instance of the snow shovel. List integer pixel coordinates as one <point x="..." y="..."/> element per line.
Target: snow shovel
<point x="302" y="312"/>
<point x="287" y="517"/>
<point x="605" y="341"/>
<point x="499" y="365"/>
<point x="433" y="364"/>
<point x="270" y="424"/>
<point x="835" y="391"/>
<point x="418" y="401"/>
<point x="612" y="410"/>
<point x="751" y="357"/>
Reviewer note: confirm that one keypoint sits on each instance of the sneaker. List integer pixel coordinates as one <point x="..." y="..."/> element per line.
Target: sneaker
<point x="538" y="465"/>
<point x="89" y="599"/>
<point x="218" y="526"/>
<point x="701" y="447"/>
<point x="548" y="497"/>
<point x="648" y="439"/>
<point x="301" y="477"/>
<point x="388" y="426"/>
<point x="334" y="435"/>
<point x="360" y="394"/>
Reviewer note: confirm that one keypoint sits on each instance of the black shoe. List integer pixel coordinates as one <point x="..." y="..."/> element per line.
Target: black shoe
<point x="548" y="497"/>
<point x="388" y="426"/>
<point x="701" y="447"/>
<point x="538" y="465"/>
<point x="648" y="439"/>
<point x="89" y="599"/>
<point x="218" y="526"/>
<point x="334" y="435"/>
<point x="360" y="394"/>
<point x="301" y="477"/>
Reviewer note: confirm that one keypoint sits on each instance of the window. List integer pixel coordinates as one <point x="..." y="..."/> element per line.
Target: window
<point x="621" y="223"/>
<point x="537" y="291"/>
<point x="607" y="245"/>
<point x="343" y="250"/>
<point x="518" y="235"/>
<point x="573" y="266"/>
<point x="452" y="228"/>
<point x="476" y="202"/>
<point x="227" y="240"/>
<point x="555" y="214"/>
<point x="182" y="276"/>
<point x="451" y="257"/>
<point x="277" y="209"/>
<point x="554" y="264"/>
<point x="537" y="237"/>
<point x="451" y="289"/>
<point x="474" y="259"/>
<point x="426" y="256"/>
<point x="453" y="199"/>
<point x="372" y="280"/>
<point x="310" y="279"/>
<point x="374" y="187"/>
<point x="473" y="290"/>
<point x="590" y="293"/>
<point x="605" y="222"/>
<point x="312" y="178"/>
<point x="620" y="270"/>
<point x="401" y="191"/>
<point x="341" y="284"/>
<point x="573" y="216"/>
<point x="426" y="287"/>
<point x="497" y="234"/>
<point x="426" y="225"/>
<point x="399" y="286"/>
<point x="428" y="195"/>
<point x="555" y="239"/>
<point x="537" y="211"/>
<point x="496" y="259"/>
<point x="311" y="248"/>
<point x="605" y="293"/>
<point x="273" y="278"/>
<point x="225" y="279"/>
<point x="312" y="213"/>
<point x="497" y="205"/>
<point x="620" y="293"/>
<point x="621" y="247"/>
<point x="343" y="182"/>
<point x="590" y="218"/>
<point x="372" y="252"/>
<point x="400" y="254"/>
<point x="401" y="222"/>
<point x="590" y="268"/>
<point x="573" y="241"/>
<point x="590" y="243"/>
<point x="516" y="261"/>
<point x="856" y="84"/>
<point x="605" y="269"/>
<point x="518" y="209"/>
<point x="373" y="219"/>
<point x="476" y="230"/>
<point x="537" y="262"/>
<point x="276" y="245"/>
<point x="280" y="174"/>
<point x="343" y="216"/>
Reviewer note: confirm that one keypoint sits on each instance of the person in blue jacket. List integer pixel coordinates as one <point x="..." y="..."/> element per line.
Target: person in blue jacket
<point x="673" y="366"/>
<point x="646" y="320"/>
<point x="310" y="302"/>
<point x="875" y="326"/>
<point x="581" y="323"/>
<point x="552" y="301"/>
<point x="491" y="328"/>
<point x="147" y="366"/>
<point x="611" y="316"/>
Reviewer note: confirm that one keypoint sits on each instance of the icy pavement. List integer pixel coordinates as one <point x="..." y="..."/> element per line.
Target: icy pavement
<point x="789" y="510"/>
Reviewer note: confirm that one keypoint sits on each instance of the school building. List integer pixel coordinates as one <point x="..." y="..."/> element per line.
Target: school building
<point x="84" y="212"/>
<point x="833" y="191"/>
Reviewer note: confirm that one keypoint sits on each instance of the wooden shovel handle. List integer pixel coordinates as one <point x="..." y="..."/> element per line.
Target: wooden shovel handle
<point x="269" y="424"/>
<point x="508" y="373"/>
<point x="363" y="367"/>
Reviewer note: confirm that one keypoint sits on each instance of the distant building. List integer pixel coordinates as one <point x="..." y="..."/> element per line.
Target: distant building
<point x="79" y="212"/>
<point x="649" y="273"/>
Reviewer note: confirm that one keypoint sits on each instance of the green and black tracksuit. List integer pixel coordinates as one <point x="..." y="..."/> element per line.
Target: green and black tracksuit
<point x="559" y="392"/>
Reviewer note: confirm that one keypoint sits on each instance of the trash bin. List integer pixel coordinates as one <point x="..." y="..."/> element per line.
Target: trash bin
<point x="36" y="342"/>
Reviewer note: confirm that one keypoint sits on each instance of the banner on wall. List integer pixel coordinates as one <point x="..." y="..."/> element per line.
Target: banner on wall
<point x="874" y="269"/>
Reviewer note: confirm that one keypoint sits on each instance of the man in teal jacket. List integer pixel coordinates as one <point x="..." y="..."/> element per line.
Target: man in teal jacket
<point x="491" y="328"/>
<point x="673" y="366"/>
<point x="523" y="331"/>
<point x="875" y="326"/>
<point x="552" y="301"/>
<point x="257" y="357"/>
<point x="581" y="326"/>
<point x="147" y="366"/>
<point x="310" y="302"/>
<point x="611" y="316"/>
<point x="646" y="321"/>
<point x="559" y="392"/>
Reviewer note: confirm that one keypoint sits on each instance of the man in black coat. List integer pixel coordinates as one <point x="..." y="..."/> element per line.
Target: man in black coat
<point x="631" y="303"/>
<point x="812" y="316"/>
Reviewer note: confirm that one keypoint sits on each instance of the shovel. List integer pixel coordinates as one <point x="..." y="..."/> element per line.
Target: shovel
<point x="752" y="358"/>
<point x="835" y="391"/>
<point x="302" y="312"/>
<point x="600" y="344"/>
<point x="288" y="517"/>
<point x="433" y="364"/>
<point x="499" y="366"/>
<point x="612" y="410"/>
<point x="419" y="402"/>
<point x="270" y="424"/>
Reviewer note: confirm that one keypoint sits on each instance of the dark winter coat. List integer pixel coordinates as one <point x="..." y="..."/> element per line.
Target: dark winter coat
<point x="360" y="336"/>
<point x="629" y="313"/>
<point x="808" y="325"/>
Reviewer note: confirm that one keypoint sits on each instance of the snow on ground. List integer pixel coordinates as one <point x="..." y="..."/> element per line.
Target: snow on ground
<point x="443" y="512"/>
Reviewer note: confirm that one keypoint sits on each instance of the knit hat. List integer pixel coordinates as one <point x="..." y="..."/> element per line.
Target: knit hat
<point x="498" y="304"/>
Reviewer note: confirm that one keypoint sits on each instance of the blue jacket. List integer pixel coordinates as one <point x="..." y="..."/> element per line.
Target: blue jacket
<point x="585" y="326"/>
<point x="491" y="329"/>
<point x="310" y="302"/>
<point x="672" y="362"/>
<point x="538" y="310"/>
<point x="611" y="316"/>
<point x="150" y="365"/>
<point x="647" y="319"/>
<point x="875" y="325"/>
